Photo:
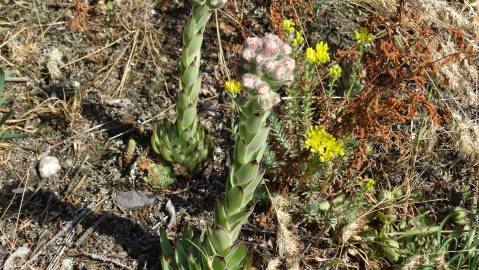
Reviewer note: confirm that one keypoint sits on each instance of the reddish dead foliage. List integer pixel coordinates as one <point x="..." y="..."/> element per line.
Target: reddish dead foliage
<point x="395" y="89"/>
<point x="280" y="10"/>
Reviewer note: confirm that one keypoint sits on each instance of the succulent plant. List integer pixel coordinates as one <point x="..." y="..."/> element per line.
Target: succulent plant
<point x="218" y="248"/>
<point x="184" y="141"/>
<point x="160" y="176"/>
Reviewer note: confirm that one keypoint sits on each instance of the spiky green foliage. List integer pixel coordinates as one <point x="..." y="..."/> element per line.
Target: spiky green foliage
<point x="218" y="248"/>
<point x="184" y="141"/>
<point x="280" y="134"/>
<point x="3" y="99"/>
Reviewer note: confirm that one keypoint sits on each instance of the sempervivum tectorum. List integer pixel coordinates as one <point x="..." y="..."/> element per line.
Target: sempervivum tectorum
<point x="219" y="249"/>
<point x="184" y="141"/>
<point x="270" y="67"/>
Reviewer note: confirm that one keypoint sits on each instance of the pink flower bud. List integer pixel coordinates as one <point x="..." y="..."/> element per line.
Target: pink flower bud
<point x="286" y="49"/>
<point x="253" y="43"/>
<point x="248" y="54"/>
<point x="270" y="47"/>
<point x="269" y="66"/>
<point x="262" y="88"/>
<point x="260" y="59"/>
<point x="265" y="102"/>
<point x="279" y="72"/>
<point x="249" y="81"/>
<point x="289" y="63"/>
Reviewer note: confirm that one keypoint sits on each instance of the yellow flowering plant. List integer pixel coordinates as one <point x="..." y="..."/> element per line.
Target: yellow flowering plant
<point x="233" y="87"/>
<point x="288" y="26"/>
<point x="363" y="36"/>
<point x="335" y="72"/>
<point x="363" y="39"/>
<point x="295" y="36"/>
<point x="318" y="55"/>
<point x="320" y="142"/>
<point x="298" y="39"/>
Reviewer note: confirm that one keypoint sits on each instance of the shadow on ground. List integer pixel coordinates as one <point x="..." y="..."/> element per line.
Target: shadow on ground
<point x="140" y="244"/>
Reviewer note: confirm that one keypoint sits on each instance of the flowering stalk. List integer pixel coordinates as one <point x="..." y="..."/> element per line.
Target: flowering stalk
<point x="270" y="67"/>
<point x="184" y="141"/>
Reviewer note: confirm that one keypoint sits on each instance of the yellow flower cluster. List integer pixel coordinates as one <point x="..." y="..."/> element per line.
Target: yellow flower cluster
<point x="295" y="36"/>
<point x="288" y="26"/>
<point x="298" y="39"/>
<point x="233" y="87"/>
<point x="363" y="36"/>
<point x="369" y="185"/>
<point x="318" y="55"/>
<point x="321" y="142"/>
<point x="335" y="71"/>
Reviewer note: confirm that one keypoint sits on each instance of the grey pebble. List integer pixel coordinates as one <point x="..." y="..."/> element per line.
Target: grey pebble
<point x="134" y="199"/>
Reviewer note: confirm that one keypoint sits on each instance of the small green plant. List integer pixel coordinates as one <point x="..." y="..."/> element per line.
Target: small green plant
<point x="160" y="176"/>
<point x="3" y="99"/>
<point x="185" y="141"/>
<point x="270" y="67"/>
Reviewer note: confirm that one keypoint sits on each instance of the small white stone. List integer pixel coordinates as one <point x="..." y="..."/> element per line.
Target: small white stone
<point x="49" y="166"/>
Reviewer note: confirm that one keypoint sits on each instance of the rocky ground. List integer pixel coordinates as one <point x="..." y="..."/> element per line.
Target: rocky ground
<point x="87" y="76"/>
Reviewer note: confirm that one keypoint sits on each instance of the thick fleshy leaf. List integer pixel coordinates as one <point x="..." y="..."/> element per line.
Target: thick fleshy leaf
<point x="220" y="216"/>
<point x="251" y="187"/>
<point x="234" y="200"/>
<point x="254" y="122"/>
<point x="166" y="247"/>
<point x="191" y="28"/>
<point x="189" y="115"/>
<point x="194" y="46"/>
<point x="239" y="218"/>
<point x="236" y="256"/>
<point x="165" y="265"/>
<point x="189" y="76"/>
<point x="181" y="254"/>
<point x="218" y="264"/>
<point x="220" y="240"/>
<point x="258" y="141"/>
<point x="241" y="152"/>
<point x="245" y="174"/>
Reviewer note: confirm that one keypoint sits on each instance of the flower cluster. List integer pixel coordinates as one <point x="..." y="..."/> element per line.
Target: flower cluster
<point x="363" y="36"/>
<point x="267" y="98"/>
<point x="269" y="65"/>
<point x="288" y="26"/>
<point x="318" y="55"/>
<point x="321" y="142"/>
<point x="335" y="71"/>
<point x="295" y="37"/>
<point x="369" y="185"/>
<point x="233" y="87"/>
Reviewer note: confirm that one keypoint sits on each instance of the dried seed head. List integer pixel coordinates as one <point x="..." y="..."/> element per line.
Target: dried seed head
<point x="249" y="81"/>
<point x="248" y="55"/>
<point x="253" y="43"/>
